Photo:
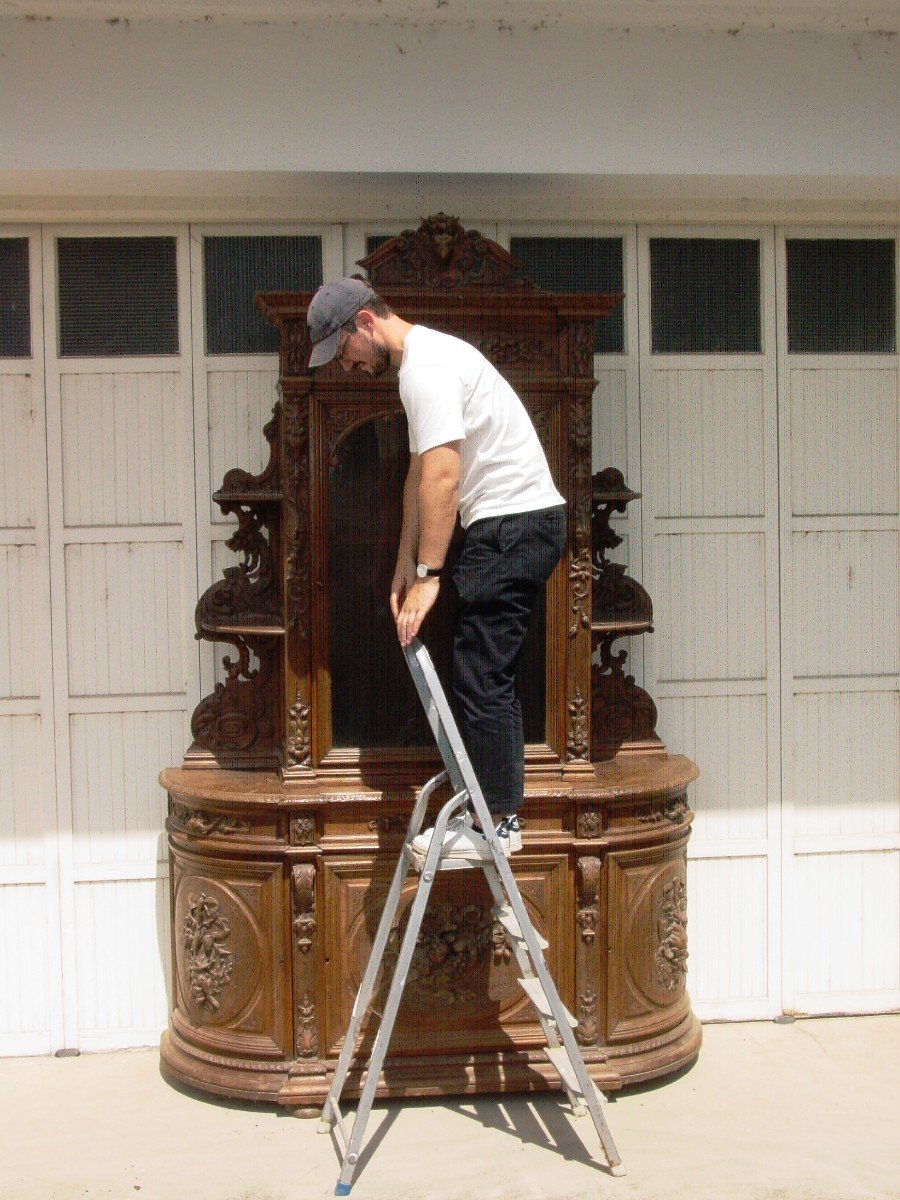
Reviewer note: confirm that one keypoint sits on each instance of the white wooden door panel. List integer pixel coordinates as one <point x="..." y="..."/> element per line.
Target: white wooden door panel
<point x="708" y="432"/>
<point x="843" y="437"/>
<point x="710" y="549"/>
<point x="123" y="961"/>
<point x="840" y="586"/>
<point x="123" y="555"/>
<point x="844" y="611"/>
<point x="728" y="926"/>
<point x="123" y="446"/>
<point x="710" y="606"/>
<point x="30" y="1004"/>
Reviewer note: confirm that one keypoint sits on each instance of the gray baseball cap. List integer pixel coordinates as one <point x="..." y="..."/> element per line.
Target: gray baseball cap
<point x="331" y="307"/>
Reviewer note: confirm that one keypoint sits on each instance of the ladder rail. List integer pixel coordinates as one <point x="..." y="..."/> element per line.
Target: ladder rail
<point x="367" y="987"/>
<point x="454" y="754"/>
<point x="395" y="993"/>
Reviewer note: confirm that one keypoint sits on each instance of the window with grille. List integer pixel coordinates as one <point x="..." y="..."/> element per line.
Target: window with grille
<point x="117" y="296"/>
<point x="578" y="264"/>
<point x="235" y="269"/>
<point x="15" y="312"/>
<point x="705" y="296"/>
<point x="841" y="296"/>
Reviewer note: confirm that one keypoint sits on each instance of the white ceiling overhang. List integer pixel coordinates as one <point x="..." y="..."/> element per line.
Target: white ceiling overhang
<point x="876" y="17"/>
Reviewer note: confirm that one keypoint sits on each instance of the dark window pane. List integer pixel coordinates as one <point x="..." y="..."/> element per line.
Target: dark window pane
<point x="15" y="314"/>
<point x="235" y="269"/>
<point x="841" y="296"/>
<point x="366" y="477"/>
<point x="578" y="264"/>
<point x="374" y="240"/>
<point x="704" y="296"/>
<point x="117" y="296"/>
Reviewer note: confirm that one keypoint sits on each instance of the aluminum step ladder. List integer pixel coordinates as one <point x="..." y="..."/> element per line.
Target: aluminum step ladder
<point x="527" y="945"/>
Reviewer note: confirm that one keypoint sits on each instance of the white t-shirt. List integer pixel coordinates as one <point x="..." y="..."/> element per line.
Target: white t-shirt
<point x="451" y="393"/>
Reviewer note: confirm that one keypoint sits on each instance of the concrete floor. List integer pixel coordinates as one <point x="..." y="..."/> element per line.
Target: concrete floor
<point x="809" y="1111"/>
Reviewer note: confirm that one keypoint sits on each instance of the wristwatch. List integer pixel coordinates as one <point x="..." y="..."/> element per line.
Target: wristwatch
<point x="423" y="571"/>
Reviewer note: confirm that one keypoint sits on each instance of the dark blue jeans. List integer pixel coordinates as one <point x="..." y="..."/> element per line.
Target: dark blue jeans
<point x="503" y="564"/>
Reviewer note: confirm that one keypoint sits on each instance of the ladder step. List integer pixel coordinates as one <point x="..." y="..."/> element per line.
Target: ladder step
<point x="417" y="861"/>
<point x="538" y="998"/>
<point x="564" y="1069"/>
<point x="507" y="919"/>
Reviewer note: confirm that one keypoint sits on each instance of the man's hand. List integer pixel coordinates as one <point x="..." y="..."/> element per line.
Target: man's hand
<point x="404" y="578"/>
<point x="418" y="603"/>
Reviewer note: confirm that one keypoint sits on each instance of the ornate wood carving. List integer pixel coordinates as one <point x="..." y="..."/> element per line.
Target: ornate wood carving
<point x="248" y="594"/>
<point x="304" y="879"/>
<point x="305" y="927"/>
<point x="616" y="597"/>
<point x="195" y="823"/>
<point x="577" y="739"/>
<point x="589" y="873"/>
<point x="510" y="349"/>
<point x="589" y="884"/>
<point x="302" y="831"/>
<point x="238" y="715"/>
<point x="296" y="502"/>
<point x="621" y="711"/>
<point x="441" y="255"/>
<point x="659" y="810"/>
<point x="622" y="714"/>
<point x="589" y="823"/>
<point x="307" y="1036"/>
<point x="295" y="348"/>
<point x="580" y="579"/>
<point x="299" y="753"/>
<point x="671" y="927"/>
<point x="209" y="963"/>
<point x="455" y="938"/>
<point x="582" y="361"/>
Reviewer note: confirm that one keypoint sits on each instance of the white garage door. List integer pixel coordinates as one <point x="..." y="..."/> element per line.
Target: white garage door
<point x="749" y="390"/>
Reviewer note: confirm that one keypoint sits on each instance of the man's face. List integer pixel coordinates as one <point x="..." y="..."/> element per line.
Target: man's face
<point x="363" y="350"/>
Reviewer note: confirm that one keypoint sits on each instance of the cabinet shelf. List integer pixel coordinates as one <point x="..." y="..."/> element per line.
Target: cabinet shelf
<point x="243" y="629"/>
<point x="247" y="497"/>
<point x="624" y="628"/>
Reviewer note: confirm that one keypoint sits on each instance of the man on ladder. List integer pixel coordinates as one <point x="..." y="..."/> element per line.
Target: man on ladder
<point x="473" y="451"/>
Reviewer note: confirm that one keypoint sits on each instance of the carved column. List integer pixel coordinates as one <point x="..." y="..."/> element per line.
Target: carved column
<point x="296" y="535"/>
<point x="586" y="962"/>
<point x="305" y="927"/>
<point x="578" y="689"/>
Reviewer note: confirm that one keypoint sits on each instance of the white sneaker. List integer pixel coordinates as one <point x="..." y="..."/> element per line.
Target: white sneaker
<point x="460" y="841"/>
<point x="509" y="835"/>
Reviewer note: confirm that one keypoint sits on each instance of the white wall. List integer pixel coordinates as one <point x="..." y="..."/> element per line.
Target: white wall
<point x="332" y="98"/>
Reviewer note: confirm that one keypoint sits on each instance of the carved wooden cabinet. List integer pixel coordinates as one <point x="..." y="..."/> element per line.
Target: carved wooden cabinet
<point x="286" y="817"/>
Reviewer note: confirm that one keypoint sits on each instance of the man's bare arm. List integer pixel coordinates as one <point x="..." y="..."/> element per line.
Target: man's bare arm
<point x="437" y="499"/>
<point x="405" y="570"/>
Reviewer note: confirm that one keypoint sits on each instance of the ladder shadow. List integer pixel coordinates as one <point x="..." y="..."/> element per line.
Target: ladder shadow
<point x="373" y="1141"/>
<point x="547" y="1126"/>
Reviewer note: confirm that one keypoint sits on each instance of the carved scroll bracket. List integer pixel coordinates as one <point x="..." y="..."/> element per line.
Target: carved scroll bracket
<point x="586" y="968"/>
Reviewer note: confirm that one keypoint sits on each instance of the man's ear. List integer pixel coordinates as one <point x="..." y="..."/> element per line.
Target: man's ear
<point x="365" y="320"/>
